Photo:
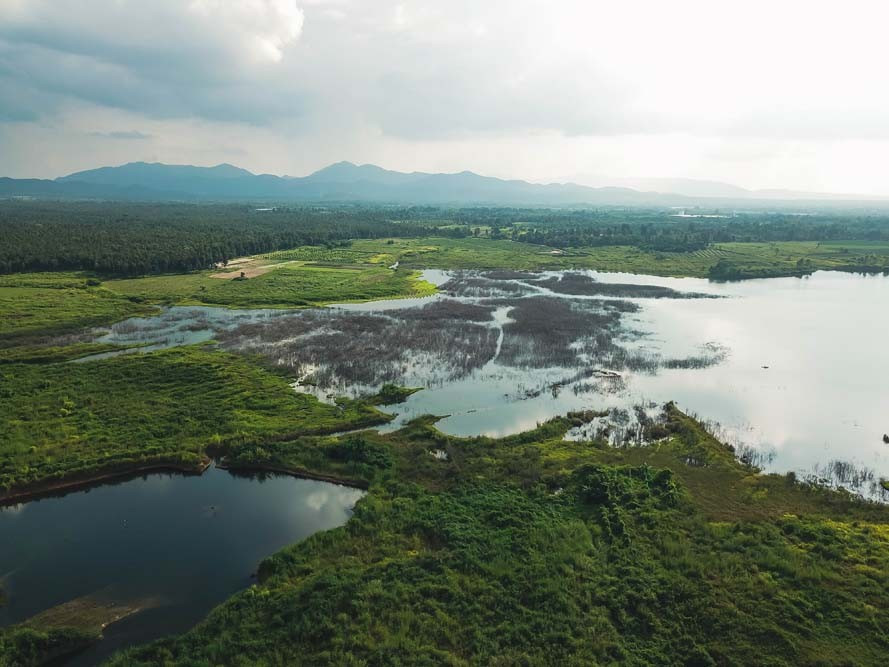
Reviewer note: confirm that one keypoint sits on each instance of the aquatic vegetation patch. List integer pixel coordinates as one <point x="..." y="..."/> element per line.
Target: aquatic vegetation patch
<point x="349" y="351"/>
<point x="581" y="284"/>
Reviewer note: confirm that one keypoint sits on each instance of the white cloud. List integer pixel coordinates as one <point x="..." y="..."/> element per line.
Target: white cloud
<point x="759" y="92"/>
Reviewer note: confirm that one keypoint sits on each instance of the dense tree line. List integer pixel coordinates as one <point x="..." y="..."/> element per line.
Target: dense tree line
<point x="662" y="230"/>
<point x="137" y="239"/>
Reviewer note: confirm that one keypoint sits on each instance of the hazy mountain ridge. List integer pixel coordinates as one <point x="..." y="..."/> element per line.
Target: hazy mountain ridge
<point x="345" y="181"/>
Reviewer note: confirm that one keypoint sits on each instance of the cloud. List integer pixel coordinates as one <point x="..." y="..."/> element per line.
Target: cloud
<point x="166" y="57"/>
<point x="432" y="70"/>
<point x="129" y="135"/>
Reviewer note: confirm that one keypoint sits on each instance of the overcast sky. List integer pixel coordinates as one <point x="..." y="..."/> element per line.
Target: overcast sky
<point x="775" y="93"/>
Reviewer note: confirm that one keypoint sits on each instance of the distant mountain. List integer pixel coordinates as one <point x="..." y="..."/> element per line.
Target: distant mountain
<point x="342" y="181"/>
<point x="345" y="181"/>
<point x="156" y="175"/>
<point x="690" y="187"/>
<point x="347" y="172"/>
<point x="701" y="188"/>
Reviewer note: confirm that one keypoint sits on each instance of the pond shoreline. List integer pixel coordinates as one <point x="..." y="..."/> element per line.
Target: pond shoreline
<point x="37" y="490"/>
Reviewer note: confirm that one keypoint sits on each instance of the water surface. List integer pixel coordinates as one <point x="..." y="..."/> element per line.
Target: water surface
<point x="185" y="542"/>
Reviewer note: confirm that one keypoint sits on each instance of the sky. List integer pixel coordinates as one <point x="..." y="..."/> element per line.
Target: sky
<point x="763" y="94"/>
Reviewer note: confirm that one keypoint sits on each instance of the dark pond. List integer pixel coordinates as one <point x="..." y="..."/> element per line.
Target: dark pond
<point x="178" y="544"/>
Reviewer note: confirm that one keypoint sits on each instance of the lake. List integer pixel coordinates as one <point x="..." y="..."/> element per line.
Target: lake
<point x="179" y="544"/>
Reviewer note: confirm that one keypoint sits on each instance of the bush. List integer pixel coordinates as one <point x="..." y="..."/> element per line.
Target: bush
<point x="356" y="449"/>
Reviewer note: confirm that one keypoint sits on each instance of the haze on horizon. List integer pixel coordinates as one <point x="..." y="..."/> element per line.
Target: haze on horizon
<point x="759" y="94"/>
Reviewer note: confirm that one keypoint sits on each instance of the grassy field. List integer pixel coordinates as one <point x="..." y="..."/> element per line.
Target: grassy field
<point x="38" y="304"/>
<point x="533" y="550"/>
<point x="68" y="420"/>
<point x="289" y="285"/>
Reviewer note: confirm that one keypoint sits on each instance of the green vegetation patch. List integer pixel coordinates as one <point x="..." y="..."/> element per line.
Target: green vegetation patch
<point x="65" y="420"/>
<point x="42" y="304"/>
<point x="25" y="646"/>
<point x="287" y="286"/>
<point x="720" y="260"/>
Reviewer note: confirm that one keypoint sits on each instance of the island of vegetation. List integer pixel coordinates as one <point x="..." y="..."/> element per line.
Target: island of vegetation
<point x="527" y="549"/>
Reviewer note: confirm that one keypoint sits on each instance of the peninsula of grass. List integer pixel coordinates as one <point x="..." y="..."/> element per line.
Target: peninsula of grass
<point x="74" y="422"/>
<point x="534" y="550"/>
<point x="48" y="354"/>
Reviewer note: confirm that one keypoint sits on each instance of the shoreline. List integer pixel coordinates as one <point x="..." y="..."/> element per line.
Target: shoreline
<point x="38" y="490"/>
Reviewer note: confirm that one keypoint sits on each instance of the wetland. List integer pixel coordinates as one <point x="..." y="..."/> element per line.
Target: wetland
<point x="512" y="457"/>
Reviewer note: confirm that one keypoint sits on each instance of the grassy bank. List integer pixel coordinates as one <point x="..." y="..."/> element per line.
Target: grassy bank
<point x="63" y="630"/>
<point x="66" y="421"/>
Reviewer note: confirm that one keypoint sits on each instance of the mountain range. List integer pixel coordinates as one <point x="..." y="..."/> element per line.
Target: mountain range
<point x="344" y="181"/>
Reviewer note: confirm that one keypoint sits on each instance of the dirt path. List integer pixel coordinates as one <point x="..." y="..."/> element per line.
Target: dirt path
<point x="249" y="270"/>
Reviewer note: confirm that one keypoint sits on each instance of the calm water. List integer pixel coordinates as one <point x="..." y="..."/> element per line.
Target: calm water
<point x="796" y="367"/>
<point x="187" y="542"/>
<point x="823" y="396"/>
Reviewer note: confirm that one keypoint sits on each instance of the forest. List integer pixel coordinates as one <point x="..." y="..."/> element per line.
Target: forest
<point x="130" y="239"/>
<point x="139" y="239"/>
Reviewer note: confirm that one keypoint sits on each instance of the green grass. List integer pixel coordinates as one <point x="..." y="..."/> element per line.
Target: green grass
<point x="24" y="646"/>
<point x="65" y="420"/>
<point x="288" y="286"/>
<point x="522" y="550"/>
<point x="743" y="260"/>
<point x="533" y="550"/>
<point x="34" y="305"/>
